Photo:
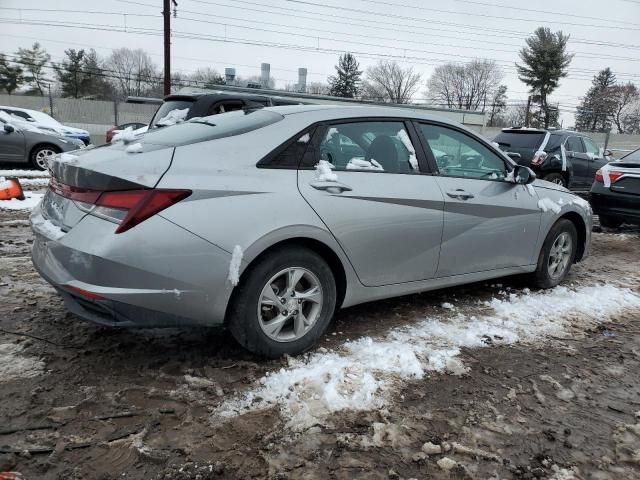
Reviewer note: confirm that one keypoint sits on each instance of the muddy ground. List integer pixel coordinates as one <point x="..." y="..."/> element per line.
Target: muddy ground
<point x="138" y="404"/>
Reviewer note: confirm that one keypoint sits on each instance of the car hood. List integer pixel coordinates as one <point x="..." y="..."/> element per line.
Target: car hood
<point x="75" y="131"/>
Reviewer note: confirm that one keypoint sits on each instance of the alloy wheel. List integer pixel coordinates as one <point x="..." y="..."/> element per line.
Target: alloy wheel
<point x="42" y="157"/>
<point x="560" y="255"/>
<point x="290" y="304"/>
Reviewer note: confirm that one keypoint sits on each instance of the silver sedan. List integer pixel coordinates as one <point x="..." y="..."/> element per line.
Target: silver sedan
<point x="268" y="220"/>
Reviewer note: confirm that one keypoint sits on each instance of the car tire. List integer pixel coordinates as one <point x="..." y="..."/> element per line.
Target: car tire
<point x="254" y="317"/>
<point x="556" y="178"/>
<point x="609" y="222"/>
<point x="40" y="154"/>
<point x="560" y="245"/>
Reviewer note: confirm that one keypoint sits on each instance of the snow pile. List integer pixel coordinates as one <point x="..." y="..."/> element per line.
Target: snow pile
<point x="46" y="227"/>
<point x="361" y="164"/>
<point x="134" y="148"/>
<point x="324" y="172"/>
<point x="546" y="204"/>
<point x="126" y="136"/>
<point x="173" y="117"/>
<point x="362" y="374"/>
<point x="25" y="173"/>
<point x="30" y="201"/>
<point x="13" y="365"/>
<point x="234" y="265"/>
<point x="4" y="183"/>
<point x="406" y="141"/>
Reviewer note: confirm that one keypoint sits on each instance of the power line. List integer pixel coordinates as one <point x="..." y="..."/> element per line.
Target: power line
<point x="475" y="14"/>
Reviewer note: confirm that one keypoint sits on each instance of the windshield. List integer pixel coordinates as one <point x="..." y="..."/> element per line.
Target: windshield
<point x="166" y="110"/>
<point x="210" y="128"/>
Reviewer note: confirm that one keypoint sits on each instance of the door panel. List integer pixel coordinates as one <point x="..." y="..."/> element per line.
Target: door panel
<point x="489" y="222"/>
<point x="496" y="228"/>
<point x="579" y="161"/>
<point x="596" y="159"/>
<point x="12" y="145"/>
<point x="388" y="223"/>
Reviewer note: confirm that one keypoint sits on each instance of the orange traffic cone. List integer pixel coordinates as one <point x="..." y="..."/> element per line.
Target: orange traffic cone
<point x="11" y="188"/>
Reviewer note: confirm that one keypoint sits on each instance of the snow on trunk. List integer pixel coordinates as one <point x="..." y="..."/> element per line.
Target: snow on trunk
<point x="362" y="374"/>
<point x="234" y="265"/>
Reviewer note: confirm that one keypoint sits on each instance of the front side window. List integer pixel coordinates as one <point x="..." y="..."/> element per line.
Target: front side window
<point x="459" y="155"/>
<point x="574" y="145"/>
<point x="590" y="147"/>
<point x="369" y="146"/>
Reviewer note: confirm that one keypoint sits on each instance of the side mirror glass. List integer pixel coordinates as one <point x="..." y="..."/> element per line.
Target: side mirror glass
<point x="9" y="128"/>
<point x="514" y="155"/>
<point x="523" y="175"/>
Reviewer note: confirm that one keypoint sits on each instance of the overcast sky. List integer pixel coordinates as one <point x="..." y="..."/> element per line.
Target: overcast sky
<point x="312" y="33"/>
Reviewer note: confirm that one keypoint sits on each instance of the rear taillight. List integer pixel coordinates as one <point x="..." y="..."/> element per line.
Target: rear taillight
<point x="127" y="207"/>
<point x="613" y="176"/>
<point x="538" y="157"/>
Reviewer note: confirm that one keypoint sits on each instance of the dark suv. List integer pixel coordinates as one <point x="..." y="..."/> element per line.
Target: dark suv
<point x="564" y="157"/>
<point x="205" y="104"/>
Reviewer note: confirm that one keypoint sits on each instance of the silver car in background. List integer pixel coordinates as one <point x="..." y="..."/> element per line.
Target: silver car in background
<point x="21" y="142"/>
<point x="267" y="220"/>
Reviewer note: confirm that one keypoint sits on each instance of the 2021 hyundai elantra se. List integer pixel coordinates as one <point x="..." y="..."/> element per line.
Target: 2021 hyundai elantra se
<point x="267" y="220"/>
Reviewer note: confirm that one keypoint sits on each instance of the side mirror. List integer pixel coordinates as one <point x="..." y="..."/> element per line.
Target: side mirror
<point x="514" y="155"/>
<point x="9" y="128"/>
<point x="31" y="120"/>
<point x="607" y="153"/>
<point x="523" y="175"/>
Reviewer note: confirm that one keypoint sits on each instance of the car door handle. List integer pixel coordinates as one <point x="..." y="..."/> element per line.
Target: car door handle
<point x="331" y="187"/>
<point x="460" y="194"/>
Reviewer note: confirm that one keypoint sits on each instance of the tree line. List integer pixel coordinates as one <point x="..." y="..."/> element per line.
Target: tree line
<point x="475" y="85"/>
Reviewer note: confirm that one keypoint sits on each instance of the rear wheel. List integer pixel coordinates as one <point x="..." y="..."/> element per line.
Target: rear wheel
<point x="557" y="255"/>
<point x="41" y="155"/>
<point x="284" y="303"/>
<point x="556" y="178"/>
<point x="609" y="222"/>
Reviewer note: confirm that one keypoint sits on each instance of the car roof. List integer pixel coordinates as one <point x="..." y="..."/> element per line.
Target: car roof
<point x="26" y="110"/>
<point x="214" y="95"/>
<point x="552" y="131"/>
<point x="330" y="112"/>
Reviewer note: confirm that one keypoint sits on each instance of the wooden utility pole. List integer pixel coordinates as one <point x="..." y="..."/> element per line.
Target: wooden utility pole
<point x="526" y="118"/>
<point x="166" y="12"/>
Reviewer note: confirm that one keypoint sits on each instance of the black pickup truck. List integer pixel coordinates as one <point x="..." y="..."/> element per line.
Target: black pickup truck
<point x="564" y="157"/>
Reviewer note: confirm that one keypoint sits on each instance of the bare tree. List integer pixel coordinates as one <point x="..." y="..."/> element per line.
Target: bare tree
<point x="471" y="86"/>
<point x="515" y="116"/>
<point x="206" y="77"/>
<point x="318" y="88"/>
<point x="388" y="81"/>
<point x="133" y="71"/>
<point x="626" y="98"/>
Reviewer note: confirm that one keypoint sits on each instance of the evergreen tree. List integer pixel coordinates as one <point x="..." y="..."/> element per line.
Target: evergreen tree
<point x="595" y="110"/>
<point x="544" y="63"/>
<point x="94" y="81"/>
<point x="33" y="61"/>
<point x="347" y="81"/>
<point x="71" y="73"/>
<point x="10" y="76"/>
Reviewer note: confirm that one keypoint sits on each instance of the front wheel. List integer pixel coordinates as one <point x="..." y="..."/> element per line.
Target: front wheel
<point x="556" y="178"/>
<point x="284" y="303"/>
<point x="40" y="156"/>
<point x="557" y="255"/>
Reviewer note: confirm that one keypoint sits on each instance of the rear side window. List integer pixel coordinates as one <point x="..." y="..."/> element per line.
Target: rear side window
<point x="574" y="144"/>
<point x="213" y="127"/>
<point x="167" y="107"/>
<point x="291" y="153"/>
<point x="522" y="139"/>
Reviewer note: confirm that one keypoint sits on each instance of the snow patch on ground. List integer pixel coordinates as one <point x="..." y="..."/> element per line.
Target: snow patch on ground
<point x="362" y="374"/>
<point x="234" y="265"/>
<point x="30" y="201"/>
<point x="546" y="204"/>
<point x="324" y="172"/>
<point x="14" y="365"/>
<point x="24" y="173"/>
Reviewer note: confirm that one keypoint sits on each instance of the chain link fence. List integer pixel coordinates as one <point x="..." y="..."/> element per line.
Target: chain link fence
<point x="95" y="116"/>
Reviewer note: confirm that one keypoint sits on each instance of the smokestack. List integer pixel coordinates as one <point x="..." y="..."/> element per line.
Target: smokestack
<point x="265" y="74"/>
<point x="302" y="80"/>
<point x="229" y="75"/>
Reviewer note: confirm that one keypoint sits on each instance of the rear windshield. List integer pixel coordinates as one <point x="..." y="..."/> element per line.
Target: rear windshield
<point x="632" y="157"/>
<point x="168" y="107"/>
<point x="522" y="139"/>
<point x="212" y="127"/>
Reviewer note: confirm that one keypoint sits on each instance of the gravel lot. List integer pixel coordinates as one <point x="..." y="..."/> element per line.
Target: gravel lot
<point x="81" y="402"/>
